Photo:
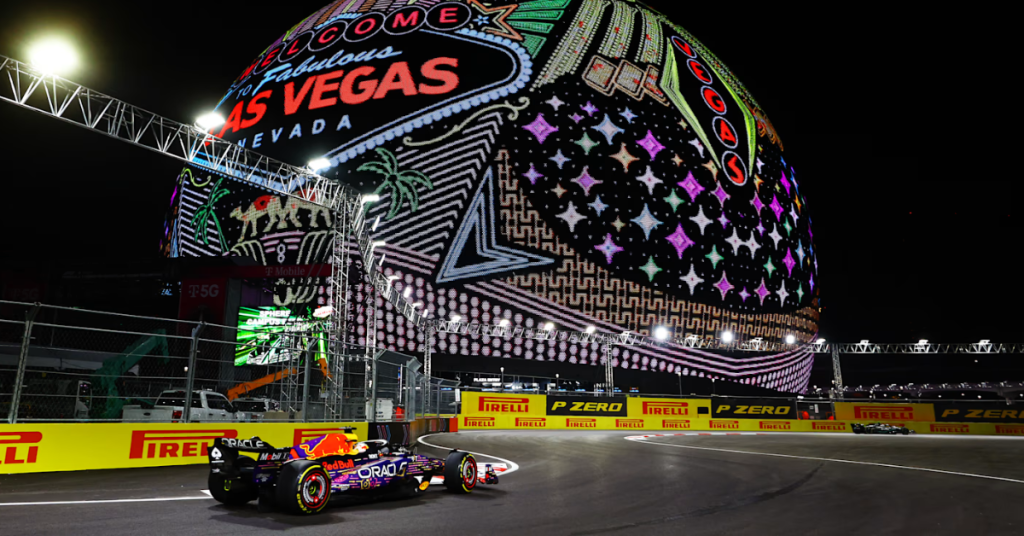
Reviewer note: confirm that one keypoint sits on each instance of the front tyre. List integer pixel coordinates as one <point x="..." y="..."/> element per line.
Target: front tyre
<point x="234" y="492"/>
<point x="460" y="472"/>
<point x="303" y="487"/>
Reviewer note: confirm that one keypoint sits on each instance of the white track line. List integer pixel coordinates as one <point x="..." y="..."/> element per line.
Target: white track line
<point x="107" y="501"/>
<point x="512" y="466"/>
<point x="908" y="467"/>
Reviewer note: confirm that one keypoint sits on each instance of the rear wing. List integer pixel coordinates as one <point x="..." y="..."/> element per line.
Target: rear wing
<point x="223" y="455"/>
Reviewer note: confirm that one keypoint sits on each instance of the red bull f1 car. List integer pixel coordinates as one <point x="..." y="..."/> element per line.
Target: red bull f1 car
<point x="302" y="479"/>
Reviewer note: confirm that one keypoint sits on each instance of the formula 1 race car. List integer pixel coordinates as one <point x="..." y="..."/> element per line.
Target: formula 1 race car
<point x="880" y="428"/>
<point x="302" y="479"/>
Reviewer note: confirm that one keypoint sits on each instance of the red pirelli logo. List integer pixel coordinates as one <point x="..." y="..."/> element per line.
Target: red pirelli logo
<point x="174" y="443"/>
<point x="531" y="422"/>
<point x="629" y="423"/>
<point x="20" y="447"/>
<point x="666" y="408"/>
<point x="1010" y="429"/>
<point x="828" y="426"/>
<point x="884" y="413"/>
<point x="502" y="404"/>
<point x="580" y="423"/>
<point x="487" y="422"/>
<point x="725" y="425"/>
<point x="950" y="428"/>
<point x="675" y="424"/>
<point x="778" y="426"/>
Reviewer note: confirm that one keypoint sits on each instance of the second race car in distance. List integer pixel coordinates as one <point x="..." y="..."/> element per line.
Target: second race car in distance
<point x="880" y="428"/>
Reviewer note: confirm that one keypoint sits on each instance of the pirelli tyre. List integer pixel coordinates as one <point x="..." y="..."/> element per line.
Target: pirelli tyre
<point x="235" y="491"/>
<point x="303" y="487"/>
<point x="460" y="472"/>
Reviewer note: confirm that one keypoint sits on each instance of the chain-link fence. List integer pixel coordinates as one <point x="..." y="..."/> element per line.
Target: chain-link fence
<point x="62" y="364"/>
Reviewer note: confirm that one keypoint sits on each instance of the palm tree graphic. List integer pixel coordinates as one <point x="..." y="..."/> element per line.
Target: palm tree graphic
<point x="205" y="213"/>
<point x="401" y="184"/>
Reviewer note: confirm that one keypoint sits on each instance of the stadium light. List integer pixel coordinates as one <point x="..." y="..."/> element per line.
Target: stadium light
<point x="590" y="329"/>
<point x="417" y="304"/>
<point x="210" y="121"/>
<point x="727" y="337"/>
<point x="379" y="243"/>
<point x="790" y="339"/>
<point x="864" y="342"/>
<point x="661" y="333"/>
<point x="53" y="56"/>
<point x="984" y="341"/>
<point x="550" y="326"/>
<point x="375" y="224"/>
<point x="317" y="164"/>
<point x="821" y="341"/>
<point x="370" y="198"/>
<point x="922" y="342"/>
<point x="504" y="322"/>
<point x="456" y="318"/>
<point x="407" y="292"/>
<point x="392" y="278"/>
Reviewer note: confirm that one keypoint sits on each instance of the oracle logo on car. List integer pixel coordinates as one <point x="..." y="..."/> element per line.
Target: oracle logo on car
<point x="885" y="413"/>
<point x="580" y="423"/>
<point x="675" y="424"/>
<point x="1010" y="429"/>
<point x="778" y="426"/>
<point x="174" y="443"/>
<point x="950" y="428"/>
<point x="827" y="426"/>
<point x="479" y="421"/>
<point x="531" y="422"/>
<point x="629" y="423"/>
<point x="495" y="404"/>
<point x="725" y="425"/>
<point x="20" y="444"/>
<point x="666" y="408"/>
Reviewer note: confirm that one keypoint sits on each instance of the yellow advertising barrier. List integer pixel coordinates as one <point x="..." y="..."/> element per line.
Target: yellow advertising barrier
<point x="890" y="413"/>
<point x="35" y="448"/>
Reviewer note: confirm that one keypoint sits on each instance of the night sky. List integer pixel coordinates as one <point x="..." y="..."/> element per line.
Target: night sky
<point x="903" y="256"/>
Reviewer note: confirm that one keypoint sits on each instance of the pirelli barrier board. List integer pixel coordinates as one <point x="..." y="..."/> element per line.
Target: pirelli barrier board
<point x="37" y="448"/>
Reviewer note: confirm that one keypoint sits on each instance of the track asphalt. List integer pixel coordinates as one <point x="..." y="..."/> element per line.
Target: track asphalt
<point x="582" y="483"/>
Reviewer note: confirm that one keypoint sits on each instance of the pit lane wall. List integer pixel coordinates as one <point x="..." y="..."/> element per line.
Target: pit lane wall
<point x="487" y="411"/>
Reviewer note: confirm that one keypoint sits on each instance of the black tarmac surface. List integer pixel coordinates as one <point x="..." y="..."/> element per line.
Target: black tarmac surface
<point x="595" y="483"/>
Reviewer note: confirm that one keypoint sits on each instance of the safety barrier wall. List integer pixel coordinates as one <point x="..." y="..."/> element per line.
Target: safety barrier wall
<point x="487" y="411"/>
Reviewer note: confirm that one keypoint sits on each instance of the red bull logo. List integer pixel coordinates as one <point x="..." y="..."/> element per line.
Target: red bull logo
<point x="725" y="425"/>
<point x="502" y="404"/>
<point x="675" y="424"/>
<point x="20" y="444"/>
<point x="302" y="435"/>
<point x="328" y="445"/>
<point x="339" y="465"/>
<point x="666" y="408"/>
<point x="174" y="443"/>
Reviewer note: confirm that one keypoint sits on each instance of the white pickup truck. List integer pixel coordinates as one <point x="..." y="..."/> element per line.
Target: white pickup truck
<point x="207" y="406"/>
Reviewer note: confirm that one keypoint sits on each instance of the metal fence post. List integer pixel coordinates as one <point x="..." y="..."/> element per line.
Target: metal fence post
<point x="372" y="417"/>
<point x="19" y="378"/>
<point x="305" y="381"/>
<point x="190" y="378"/>
<point x="437" y="408"/>
<point x="837" y="373"/>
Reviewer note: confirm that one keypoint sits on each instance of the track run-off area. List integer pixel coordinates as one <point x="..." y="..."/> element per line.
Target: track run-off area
<point x="592" y="483"/>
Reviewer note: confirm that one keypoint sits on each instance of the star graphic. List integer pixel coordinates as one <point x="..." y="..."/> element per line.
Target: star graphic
<point x="651" y="144"/>
<point x="590" y="109"/>
<point x="555" y="102"/>
<point x="714" y="257"/>
<point x="609" y="129"/>
<point x="815" y="265"/>
<point x="624" y="158"/>
<point x="723" y="220"/>
<point x="598" y="206"/>
<point x="674" y="200"/>
<point x="587" y="144"/>
<point x="799" y="204"/>
<point x="541" y="128"/>
<point x="770" y="267"/>
<point x="576" y="117"/>
<point x="712" y="167"/>
<point x="503" y="29"/>
<point x="649" y="180"/>
<point x="794" y="215"/>
<point x="586" y="181"/>
<point x="812" y="282"/>
<point x="775" y="236"/>
<point x="682" y="123"/>
<point x="618" y="224"/>
<point x="758" y="182"/>
<point x="758" y="205"/>
<point x="571" y="217"/>
<point x="724" y="286"/>
<point x="760" y="228"/>
<point x="759" y="164"/>
<point x="785" y="182"/>
<point x="752" y="245"/>
<point x="647" y="222"/>
<point x="789" y="262"/>
<point x="691" y="279"/>
<point x="782" y="293"/>
<point x="560" y="159"/>
<point x="558" y="190"/>
<point x="787" y="226"/>
<point x="651" y="268"/>
<point x="677" y="161"/>
<point x="800" y="251"/>
<point x="744" y="294"/>
<point x="696" y="143"/>
<point x="762" y="291"/>
<point x="800" y="293"/>
<point x="533" y="175"/>
<point x="691" y="186"/>
<point x="735" y="241"/>
<point x="680" y="240"/>
<point x="701" y="220"/>
<point x="776" y="208"/>
<point x="628" y="115"/>
<point x="609" y="248"/>
<point x="721" y="195"/>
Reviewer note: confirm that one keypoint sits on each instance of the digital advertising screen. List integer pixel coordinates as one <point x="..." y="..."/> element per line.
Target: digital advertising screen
<point x="268" y="335"/>
<point x="580" y="162"/>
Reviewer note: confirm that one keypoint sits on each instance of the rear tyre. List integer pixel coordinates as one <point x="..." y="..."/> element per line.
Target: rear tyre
<point x="235" y="492"/>
<point x="303" y="487"/>
<point x="460" y="472"/>
<point x="905" y="431"/>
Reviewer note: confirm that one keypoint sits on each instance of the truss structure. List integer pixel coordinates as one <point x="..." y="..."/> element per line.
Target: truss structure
<point x="984" y="347"/>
